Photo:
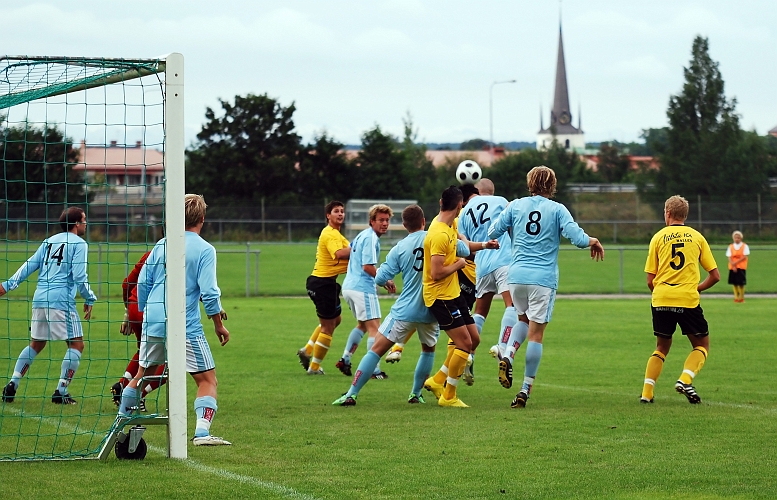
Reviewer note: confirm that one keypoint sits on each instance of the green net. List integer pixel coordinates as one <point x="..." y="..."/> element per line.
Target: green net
<point x="83" y="133"/>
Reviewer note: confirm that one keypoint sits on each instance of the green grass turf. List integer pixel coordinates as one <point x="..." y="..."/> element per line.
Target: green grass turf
<point x="283" y="269"/>
<point x="582" y="435"/>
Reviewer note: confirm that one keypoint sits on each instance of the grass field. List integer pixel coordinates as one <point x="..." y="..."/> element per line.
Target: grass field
<point x="283" y="269"/>
<point x="582" y="435"/>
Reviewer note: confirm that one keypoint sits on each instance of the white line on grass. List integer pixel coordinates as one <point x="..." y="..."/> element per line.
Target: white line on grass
<point x="278" y="489"/>
<point x="621" y="394"/>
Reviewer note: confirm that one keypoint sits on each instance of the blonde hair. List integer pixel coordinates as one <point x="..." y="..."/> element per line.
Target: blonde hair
<point x="194" y="208"/>
<point x="737" y="233"/>
<point x="380" y="209"/>
<point x="541" y="180"/>
<point x="677" y="206"/>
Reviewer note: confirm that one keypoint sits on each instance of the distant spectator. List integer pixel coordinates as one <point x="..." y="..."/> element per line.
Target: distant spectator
<point x="737" y="253"/>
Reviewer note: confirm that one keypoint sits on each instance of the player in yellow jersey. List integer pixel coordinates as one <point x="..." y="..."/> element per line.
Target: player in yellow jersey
<point x="442" y="295"/>
<point x="675" y="255"/>
<point x="323" y="289"/>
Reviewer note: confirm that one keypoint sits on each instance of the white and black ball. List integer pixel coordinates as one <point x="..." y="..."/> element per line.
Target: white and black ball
<point x="468" y="172"/>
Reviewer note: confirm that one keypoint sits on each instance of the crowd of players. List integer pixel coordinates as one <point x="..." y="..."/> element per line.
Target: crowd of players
<point x="480" y="245"/>
<point x="477" y="246"/>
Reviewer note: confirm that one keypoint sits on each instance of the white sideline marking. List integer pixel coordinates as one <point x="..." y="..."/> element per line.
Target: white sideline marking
<point x="621" y="394"/>
<point x="278" y="489"/>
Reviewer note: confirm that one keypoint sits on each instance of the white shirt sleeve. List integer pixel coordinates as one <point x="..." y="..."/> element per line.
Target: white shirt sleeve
<point x="728" y="251"/>
<point x="747" y="249"/>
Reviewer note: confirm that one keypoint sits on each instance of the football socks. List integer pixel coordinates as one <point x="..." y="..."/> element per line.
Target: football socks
<point x="654" y="366"/>
<point x="533" y="357"/>
<point x="26" y="357"/>
<point x="517" y="337"/>
<point x="69" y="366"/>
<point x="455" y="369"/>
<point x="509" y="319"/>
<point x="366" y="367"/>
<point x="422" y="370"/>
<point x="312" y="342"/>
<point x="323" y="342"/>
<point x="354" y="339"/>
<point x="205" y="407"/>
<point x="693" y="364"/>
<point x="480" y="320"/>
<point x="442" y="374"/>
<point x="129" y="399"/>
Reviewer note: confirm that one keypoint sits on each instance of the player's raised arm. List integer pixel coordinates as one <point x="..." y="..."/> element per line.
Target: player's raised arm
<point x="502" y="223"/>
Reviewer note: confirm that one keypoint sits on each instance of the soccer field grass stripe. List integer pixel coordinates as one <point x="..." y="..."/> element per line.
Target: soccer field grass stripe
<point x="277" y="489"/>
<point x="624" y="395"/>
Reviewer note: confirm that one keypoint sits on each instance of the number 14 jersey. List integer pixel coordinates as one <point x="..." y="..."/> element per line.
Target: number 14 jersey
<point x="537" y="224"/>
<point x="674" y="257"/>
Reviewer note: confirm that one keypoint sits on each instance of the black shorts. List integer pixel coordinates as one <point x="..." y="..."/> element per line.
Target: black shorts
<point x="451" y="313"/>
<point x="325" y="294"/>
<point x="738" y="278"/>
<point x="691" y="321"/>
<point x="467" y="289"/>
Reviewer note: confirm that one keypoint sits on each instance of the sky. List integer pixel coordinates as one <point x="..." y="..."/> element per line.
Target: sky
<point x="351" y="65"/>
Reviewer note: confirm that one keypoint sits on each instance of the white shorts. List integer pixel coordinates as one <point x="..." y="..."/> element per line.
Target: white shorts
<point x="55" y="324"/>
<point x="493" y="282"/>
<point x="364" y="306"/>
<point x="198" y="356"/>
<point x="397" y="331"/>
<point x="535" y="301"/>
<point x="152" y="351"/>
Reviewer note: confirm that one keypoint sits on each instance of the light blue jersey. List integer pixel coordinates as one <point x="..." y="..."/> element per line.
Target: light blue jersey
<point x="538" y="224"/>
<point x="365" y="250"/>
<point x="474" y="220"/>
<point x="200" y="285"/>
<point x="61" y="260"/>
<point x="407" y="257"/>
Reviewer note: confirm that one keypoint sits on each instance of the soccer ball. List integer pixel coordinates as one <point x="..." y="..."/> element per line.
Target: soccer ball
<point x="468" y="172"/>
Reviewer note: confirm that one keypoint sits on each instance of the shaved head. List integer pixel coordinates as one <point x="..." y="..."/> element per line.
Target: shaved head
<point x="485" y="186"/>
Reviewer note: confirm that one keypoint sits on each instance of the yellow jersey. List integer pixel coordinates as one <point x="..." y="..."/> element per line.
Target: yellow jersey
<point x="675" y="254"/>
<point x="469" y="269"/>
<point x="329" y="242"/>
<point x="440" y="240"/>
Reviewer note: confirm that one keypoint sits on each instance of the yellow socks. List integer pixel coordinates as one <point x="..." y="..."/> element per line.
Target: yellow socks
<point x="693" y="364"/>
<point x="312" y="342"/>
<point x="455" y="369"/>
<point x="652" y="372"/>
<point x="323" y="342"/>
<point x="442" y="374"/>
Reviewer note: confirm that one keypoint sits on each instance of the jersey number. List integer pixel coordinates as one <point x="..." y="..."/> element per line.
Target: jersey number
<point x="419" y="259"/>
<point x="482" y="208"/>
<point x="57" y="254"/>
<point x="533" y="226"/>
<point x="676" y="253"/>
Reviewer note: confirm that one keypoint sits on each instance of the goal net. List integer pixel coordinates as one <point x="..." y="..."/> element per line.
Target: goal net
<point x="103" y="135"/>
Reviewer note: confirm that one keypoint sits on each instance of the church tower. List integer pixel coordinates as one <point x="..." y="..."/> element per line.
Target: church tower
<point x="561" y="127"/>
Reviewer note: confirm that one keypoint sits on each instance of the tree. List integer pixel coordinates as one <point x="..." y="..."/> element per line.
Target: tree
<point x="383" y="171"/>
<point x="325" y="173"/>
<point x="247" y="153"/>
<point x="706" y="153"/>
<point x="474" y="145"/>
<point x="613" y="166"/>
<point x="36" y="165"/>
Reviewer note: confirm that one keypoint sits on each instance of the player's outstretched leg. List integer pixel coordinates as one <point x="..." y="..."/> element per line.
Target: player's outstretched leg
<point x="366" y="366"/>
<point x="653" y="370"/>
<point x="533" y="357"/>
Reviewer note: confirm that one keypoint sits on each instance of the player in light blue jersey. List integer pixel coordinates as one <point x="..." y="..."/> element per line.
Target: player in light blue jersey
<point x="201" y="285"/>
<point x="491" y="267"/>
<point x="408" y="314"/>
<point x="359" y="289"/>
<point x="537" y="224"/>
<point x="61" y="265"/>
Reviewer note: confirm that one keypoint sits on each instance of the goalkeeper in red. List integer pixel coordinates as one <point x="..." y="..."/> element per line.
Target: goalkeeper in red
<point x="675" y="255"/>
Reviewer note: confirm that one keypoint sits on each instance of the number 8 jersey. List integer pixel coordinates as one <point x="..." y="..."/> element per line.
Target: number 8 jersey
<point x="537" y="225"/>
<point x="674" y="256"/>
<point x="61" y="260"/>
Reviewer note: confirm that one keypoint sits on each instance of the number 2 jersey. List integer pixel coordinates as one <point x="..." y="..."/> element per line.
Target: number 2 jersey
<point x="538" y="224"/>
<point x="474" y="220"/>
<point x="61" y="260"/>
<point x="674" y="257"/>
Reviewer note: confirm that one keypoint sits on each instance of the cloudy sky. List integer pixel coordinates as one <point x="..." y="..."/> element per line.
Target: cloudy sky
<point x="349" y="65"/>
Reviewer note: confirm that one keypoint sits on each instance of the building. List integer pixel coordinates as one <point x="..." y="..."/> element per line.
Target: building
<point x="773" y="132"/>
<point x="123" y="174"/>
<point x="560" y="127"/>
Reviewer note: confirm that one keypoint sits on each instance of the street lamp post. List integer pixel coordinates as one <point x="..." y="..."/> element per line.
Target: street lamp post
<point x="491" y="114"/>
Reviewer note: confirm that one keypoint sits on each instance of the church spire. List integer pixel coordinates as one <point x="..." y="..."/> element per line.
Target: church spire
<point x="561" y="115"/>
